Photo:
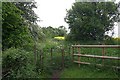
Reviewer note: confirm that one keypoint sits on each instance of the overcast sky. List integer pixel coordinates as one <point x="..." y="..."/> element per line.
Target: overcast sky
<point x="53" y="12"/>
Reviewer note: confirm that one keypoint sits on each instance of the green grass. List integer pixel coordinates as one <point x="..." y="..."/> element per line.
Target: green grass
<point x="87" y="72"/>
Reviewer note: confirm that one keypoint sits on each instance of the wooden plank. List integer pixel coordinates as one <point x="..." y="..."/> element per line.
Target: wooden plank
<point x="97" y="46"/>
<point x="95" y="56"/>
<point x="86" y="63"/>
<point x="118" y="67"/>
<point x="81" y="62"/>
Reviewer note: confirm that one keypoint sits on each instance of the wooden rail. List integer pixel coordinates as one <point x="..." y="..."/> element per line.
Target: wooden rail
<point x="97" y="46"/>
<point x="96" y="64"/>
<point x="93" y="56"/>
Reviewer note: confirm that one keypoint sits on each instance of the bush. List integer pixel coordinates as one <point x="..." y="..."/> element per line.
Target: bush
<point x="116" y="41"/>
<point x="29" y="46"/>
<point x="18" y="63"/>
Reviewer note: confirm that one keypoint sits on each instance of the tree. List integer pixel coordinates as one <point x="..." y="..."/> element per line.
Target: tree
<point x="30" y="16"/>
<point x="14" y="29"/>
<point x="51" y="32"/>
<point x="62" y="31"/>
<point x="27" y="9"/>
<point x="118" y="11"/>
<point x="90" y="21"/>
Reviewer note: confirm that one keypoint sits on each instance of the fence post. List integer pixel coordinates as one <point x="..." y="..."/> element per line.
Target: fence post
<point x="72" y="53"/>
<point x="78" y="56"/>
<point x="103" y="53"/>
<point x="62" y="58"/>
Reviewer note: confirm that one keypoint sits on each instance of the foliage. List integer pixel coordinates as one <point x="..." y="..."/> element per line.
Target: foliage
<point x="51" y="32"/>
<point x="19" y="63"/>
<point x="19" y="26"/>
<point x="90" y="21"/>
<point x="36" y="33"/>
<point x="116" y="40"/>
<point x="14" y="30"/>
<point x="30" y="18"/>
<point x="62" y="31"/>
<point x="28" y="12"/>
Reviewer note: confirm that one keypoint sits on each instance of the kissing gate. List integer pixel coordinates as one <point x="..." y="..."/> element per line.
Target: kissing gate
<point x="103" y="57"/>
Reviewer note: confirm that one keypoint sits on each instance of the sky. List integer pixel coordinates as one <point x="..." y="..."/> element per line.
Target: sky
<point x="53" y="12"/>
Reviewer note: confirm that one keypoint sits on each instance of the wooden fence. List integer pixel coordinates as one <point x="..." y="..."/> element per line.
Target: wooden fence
<point x="40" y="55"/>
<point x="79" y="54"/>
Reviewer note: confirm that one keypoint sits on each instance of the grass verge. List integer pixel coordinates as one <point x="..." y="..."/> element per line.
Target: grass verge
<point x="88" y="72"/>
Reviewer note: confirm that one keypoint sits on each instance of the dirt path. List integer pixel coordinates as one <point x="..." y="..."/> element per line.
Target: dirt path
<point x="56" y="75"/>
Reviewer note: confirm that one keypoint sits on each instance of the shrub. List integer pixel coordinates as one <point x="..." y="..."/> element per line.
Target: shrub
<point x="28" y="47"/>
<point x="18" y="63"/>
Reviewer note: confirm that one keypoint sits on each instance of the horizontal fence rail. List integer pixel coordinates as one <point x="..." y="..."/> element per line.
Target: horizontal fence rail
<point x="79" y="54"/>
<point x="97" y="46"/>
<point x="95" y="56"/>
